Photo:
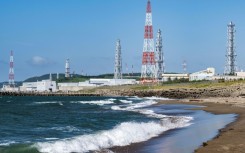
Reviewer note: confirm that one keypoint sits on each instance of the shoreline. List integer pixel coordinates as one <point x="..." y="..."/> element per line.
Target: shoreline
<point x="231" y="138"/>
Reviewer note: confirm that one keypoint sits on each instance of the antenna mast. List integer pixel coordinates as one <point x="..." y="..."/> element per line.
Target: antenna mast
<point x="148" y="59"/>
<point x="118" y="61"/>
<point x="159" y="56"/>
<point x="230" y="66"/>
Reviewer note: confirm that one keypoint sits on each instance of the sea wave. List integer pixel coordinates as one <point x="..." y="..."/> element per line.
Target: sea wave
<point x="141" y="104"/>
<point x="126" y="101"/>
<point x="99" y="102"/>
<point x="112" y="99"/>
<point x="66" y="129"/>
<point x="135" y="108"/>
<point x="135" y="98"/>
<point x="122" y="135"/>
<point x="49" y="102"/>
<point x="7" y="143"/>
<point x="138" y="107"/>
<point x="157" y="98"/>
<point x="51" y="138"/>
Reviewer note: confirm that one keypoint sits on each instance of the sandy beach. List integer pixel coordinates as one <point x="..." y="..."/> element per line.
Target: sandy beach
<point x="231" y="139"/>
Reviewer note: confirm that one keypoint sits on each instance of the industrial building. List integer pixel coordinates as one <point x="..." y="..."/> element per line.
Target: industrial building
<point x="171" y="77"/>
<point x="207" y="74"/>
<point x="46" y="85"/>
<point x="237" y="76"/>
<point x="69" y="87"/>
<point x="112" y="82"/>
<point x="92" y="83"/>
<point x="39" y="86"/>
<point x="9" y="88"/>
<point x="28" y="86"/>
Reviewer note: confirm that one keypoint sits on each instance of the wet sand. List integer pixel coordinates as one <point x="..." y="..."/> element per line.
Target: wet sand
<point x="231" y="139"/>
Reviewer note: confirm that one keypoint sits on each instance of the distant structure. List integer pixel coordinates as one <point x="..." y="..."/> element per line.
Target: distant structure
<point x="50" y="76"/>
<point x="207" y="74"/>
<point x="132" y="70"/>
<point x="118" y="61"/>
<point x="57" y="76"/>
<point x="67" y="69"/>
<point x="159" y="56"/>
<point x="230" y="66"/>
<point x="126" y="65"/>
<point x="11" y="69"/>
<point x="184" y="65"/>
<point x="148" y="59"/>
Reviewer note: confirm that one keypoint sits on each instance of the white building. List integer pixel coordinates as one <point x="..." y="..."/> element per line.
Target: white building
<point x="112" y="82"/>
<point x="39" y="86"/>
<point x="207" y="74"/>
<point x="178" y="76"/>
<point x="240" y="74"/>
<point x="9" y="88"/>
<point x="237" y="76"/>
<point x="28" y="86"/>
<point x="92" y="83"/>
<point x="69" y="86"/>
<point x="46" y="85"/>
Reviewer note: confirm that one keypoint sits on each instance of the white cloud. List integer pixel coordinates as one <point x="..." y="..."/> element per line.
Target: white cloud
<point x="39" y="61"/>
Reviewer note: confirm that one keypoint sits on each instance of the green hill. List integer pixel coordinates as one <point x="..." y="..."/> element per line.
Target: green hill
<point x="79" y="78"/>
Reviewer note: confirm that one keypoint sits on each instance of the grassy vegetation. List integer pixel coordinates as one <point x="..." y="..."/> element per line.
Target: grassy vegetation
<point x="172" y="85"/>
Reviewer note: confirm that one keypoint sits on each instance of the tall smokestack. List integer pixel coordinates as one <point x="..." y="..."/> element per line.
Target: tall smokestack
<point x="67" y="69"/>
<point x="11" y="69"/>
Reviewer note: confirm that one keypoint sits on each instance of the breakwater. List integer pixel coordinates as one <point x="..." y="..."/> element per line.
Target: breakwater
<point x="47" y="94"/>
<point x="178" y="93"/>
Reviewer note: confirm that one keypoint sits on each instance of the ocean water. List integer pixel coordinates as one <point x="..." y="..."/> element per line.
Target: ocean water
<point x="88" y="124"/>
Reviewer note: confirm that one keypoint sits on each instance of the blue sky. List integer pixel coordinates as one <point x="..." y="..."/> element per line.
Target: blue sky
<point x="43" y="33"/>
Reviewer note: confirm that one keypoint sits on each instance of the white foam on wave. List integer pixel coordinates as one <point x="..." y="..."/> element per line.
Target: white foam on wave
<point x="135" y="108"/>
<point x="135" y="105"/>
<point x="157" y="98"/>
<point x="51" y="138"/>
<point x="149" y="113"/>
<point x="112" y="99"/>
<point x="126" y="101"/>
<point x="141" y="104"/>
<point x="7" y="143"/>
<point x="99" y="102"/>
<point x="49" y="102"/>
<point x="135" y="98"/>
<point x="66" y="129"/>
<point x="122" y="135"/>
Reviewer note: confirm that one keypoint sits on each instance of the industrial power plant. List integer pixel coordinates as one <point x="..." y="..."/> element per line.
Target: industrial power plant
<point x="152" y="68"/>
